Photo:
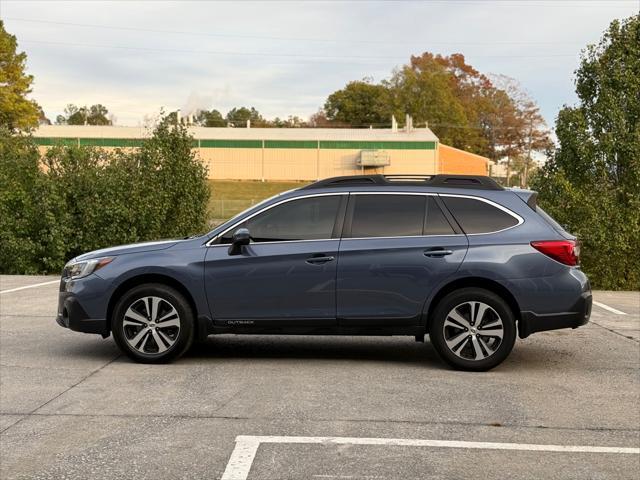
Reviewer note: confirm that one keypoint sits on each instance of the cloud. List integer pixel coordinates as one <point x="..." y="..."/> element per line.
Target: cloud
<point x="286" y="57"/>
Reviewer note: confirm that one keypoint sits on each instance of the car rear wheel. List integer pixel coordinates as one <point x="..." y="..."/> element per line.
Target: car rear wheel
<point x="473" y="329"/>
<point x="153" y="323"/>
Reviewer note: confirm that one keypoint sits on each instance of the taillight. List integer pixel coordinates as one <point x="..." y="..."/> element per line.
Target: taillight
<point x="564" y="251"/>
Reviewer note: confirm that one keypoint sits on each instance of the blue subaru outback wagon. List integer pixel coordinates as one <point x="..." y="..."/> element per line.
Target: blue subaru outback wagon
<point x="459" y="258"/>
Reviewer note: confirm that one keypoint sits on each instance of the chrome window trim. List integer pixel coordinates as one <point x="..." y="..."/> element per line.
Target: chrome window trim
<point x="402" y="236"/>
<point x="344" y="239"/>
<point x="286" y="200"/>
<point x="432" y="194"/>
<point x="281" y="241"/>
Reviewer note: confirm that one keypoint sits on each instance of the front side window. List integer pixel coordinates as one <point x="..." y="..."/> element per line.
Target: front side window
<point x="475" y="216"/>
<point x="387" y="215"/>
<point x="311" y="218"/>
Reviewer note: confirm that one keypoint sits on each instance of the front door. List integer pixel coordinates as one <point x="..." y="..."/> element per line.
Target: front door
<point x="286" y="276"/>
<point x="396" y="248"/>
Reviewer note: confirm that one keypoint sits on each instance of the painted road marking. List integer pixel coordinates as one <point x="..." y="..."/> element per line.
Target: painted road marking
<point x="30" y="286"/>
<point x="247" y="446"/>
<point x="607" y="307"/>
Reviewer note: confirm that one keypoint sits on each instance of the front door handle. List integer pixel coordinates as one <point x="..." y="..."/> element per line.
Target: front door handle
<point x="437" y="252"/>
<point x="319" y="259"/>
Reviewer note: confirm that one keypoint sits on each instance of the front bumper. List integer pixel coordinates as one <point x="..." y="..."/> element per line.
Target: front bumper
<point x="532" y="322"/>
<point x="72" y="315"/>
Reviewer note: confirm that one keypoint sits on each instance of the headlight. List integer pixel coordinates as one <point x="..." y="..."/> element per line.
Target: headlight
<point x="75" y="270"/>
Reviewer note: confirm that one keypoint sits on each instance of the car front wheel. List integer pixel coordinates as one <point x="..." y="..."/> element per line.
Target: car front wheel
<point x="153" y="323"/>
<point x="473" y="329"/>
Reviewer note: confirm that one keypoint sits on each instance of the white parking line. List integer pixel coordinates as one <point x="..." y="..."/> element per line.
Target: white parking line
<point x="29" y="286"/>
<point x="607" y="307"/>
<point x="247" y="446"/>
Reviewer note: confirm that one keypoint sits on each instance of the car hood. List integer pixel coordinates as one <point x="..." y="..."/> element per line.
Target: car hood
<point x="130" y="248"/>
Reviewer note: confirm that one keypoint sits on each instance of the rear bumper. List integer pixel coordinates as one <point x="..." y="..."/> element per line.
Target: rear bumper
<point x="72" y="315"/>
<point x="531" y="322"/>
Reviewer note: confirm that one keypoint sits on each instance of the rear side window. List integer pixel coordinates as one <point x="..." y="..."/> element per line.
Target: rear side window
<point x="304" y="219"/>
<point x="387" y="215"/>
<point x="475" y="216"/>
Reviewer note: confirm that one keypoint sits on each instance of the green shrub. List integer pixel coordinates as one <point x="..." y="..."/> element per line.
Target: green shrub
<point x="592" y="180"/>
<point x="32" y="217"/>
<point x="605" y="220"/>
<point x="78" y="199"/>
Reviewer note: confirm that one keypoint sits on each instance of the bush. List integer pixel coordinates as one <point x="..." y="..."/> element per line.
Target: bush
<point x="605" y="219"/>
<point x="592" y="180"/>
<point x="78" y="199"/>
<point x="32" y="217"/>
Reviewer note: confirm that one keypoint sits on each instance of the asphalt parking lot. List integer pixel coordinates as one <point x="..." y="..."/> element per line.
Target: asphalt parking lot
<point x="564" y="405"/>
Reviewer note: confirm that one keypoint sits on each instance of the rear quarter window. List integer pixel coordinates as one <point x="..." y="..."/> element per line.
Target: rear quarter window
<point x="476" y="216"/>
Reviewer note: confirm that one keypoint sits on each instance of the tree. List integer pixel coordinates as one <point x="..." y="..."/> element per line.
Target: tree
<point x="535" y="137"/>
<point x="170" y="118"/>
<point x="42" y="117"/>
<point x="94" y="115"/>
<point x="519" y="130"/>
<point x="464" y="108"/>
<point x="592" y="182"/>
<point x="17" y="112"/>
<point x="238" y="117"/>
<point x="167" y="165"/>
<point x="292" y="121"/>
<point x="319" y="120"/>
<point x="425" y="90"/>
<point x="475" y="92"/>
<point x="211" y="118"/>
<point x="499" y="123"/>
<point x="360" y="104"/>
<point x="98" y="115"/>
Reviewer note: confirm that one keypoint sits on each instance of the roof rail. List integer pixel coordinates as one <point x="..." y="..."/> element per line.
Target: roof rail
<point x="477" y="182"/>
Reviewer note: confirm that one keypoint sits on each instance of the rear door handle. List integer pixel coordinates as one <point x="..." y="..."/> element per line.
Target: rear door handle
<point x="319" y="260"/>
<point x="437" y="252"/>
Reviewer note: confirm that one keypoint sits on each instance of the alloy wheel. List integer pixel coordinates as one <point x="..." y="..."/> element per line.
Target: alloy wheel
<point x="473" y="331"/>
<point x="151" y="325"/>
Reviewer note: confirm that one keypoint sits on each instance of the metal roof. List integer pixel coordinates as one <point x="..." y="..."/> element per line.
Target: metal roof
<point x="225" y="133"/>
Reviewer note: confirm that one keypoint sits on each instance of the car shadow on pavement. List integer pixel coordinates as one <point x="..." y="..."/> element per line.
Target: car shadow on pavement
<point x="402" y="350"/>
<point x="530" y="357"/>
<point x="87" y="349"/>
<point x="376" y="349"/>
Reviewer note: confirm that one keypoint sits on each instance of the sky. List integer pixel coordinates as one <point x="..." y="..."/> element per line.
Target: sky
<point x="285" y="57"/>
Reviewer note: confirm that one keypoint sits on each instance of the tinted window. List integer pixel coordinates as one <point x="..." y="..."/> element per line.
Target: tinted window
<point x="305" y="219"/>
<point x="387" y="215"/>
<point x="436" y="223"/>
<point x="475" y="216"/>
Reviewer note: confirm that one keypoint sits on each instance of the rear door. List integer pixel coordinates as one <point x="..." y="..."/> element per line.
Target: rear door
<point x="396" y="248"/>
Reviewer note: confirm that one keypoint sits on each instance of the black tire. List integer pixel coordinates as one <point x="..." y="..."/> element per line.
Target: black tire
<point x="174" y="341"/>
<point x="468" y="339"/>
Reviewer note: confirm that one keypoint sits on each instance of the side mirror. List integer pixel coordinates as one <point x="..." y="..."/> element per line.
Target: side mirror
<point x="241" y="237"/>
